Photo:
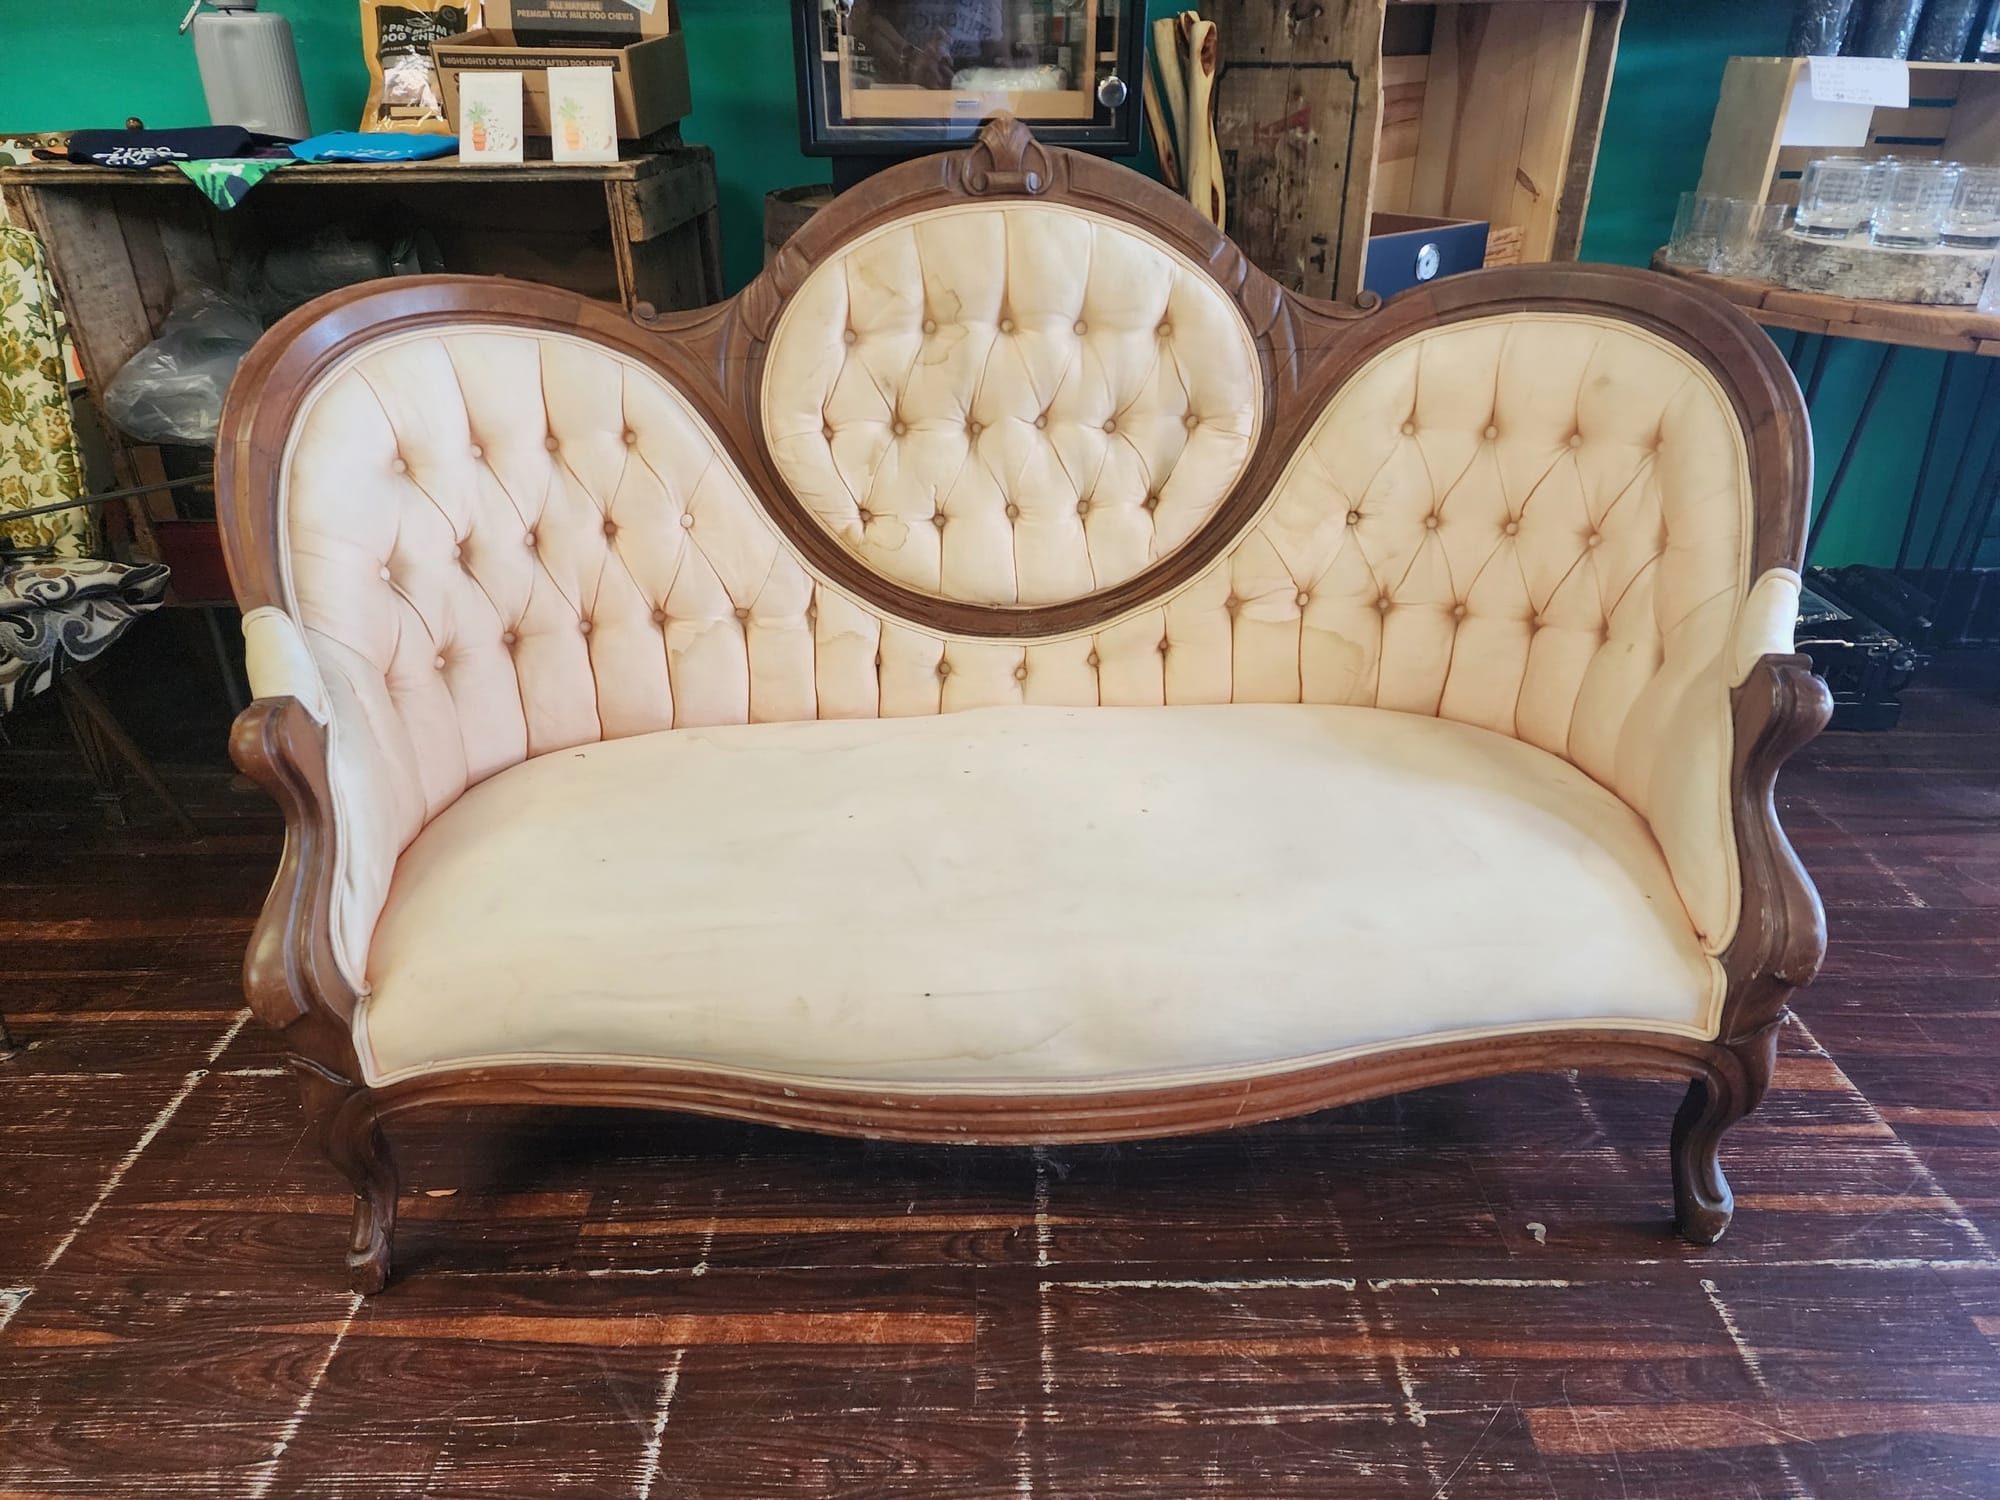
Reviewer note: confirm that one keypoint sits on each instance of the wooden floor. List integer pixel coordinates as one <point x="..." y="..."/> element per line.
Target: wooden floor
<point x="1469" y="1292"/>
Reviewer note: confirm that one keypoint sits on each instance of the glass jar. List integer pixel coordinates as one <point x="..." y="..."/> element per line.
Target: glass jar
<point x="1911" y="201"/>
<point x="1972" y="222"/>
<point x="1836" y="197"/>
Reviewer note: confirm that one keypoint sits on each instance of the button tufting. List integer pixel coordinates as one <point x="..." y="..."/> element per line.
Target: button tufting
<point x="1512" y="528"/>
<point x="1383" y="604"/>
<point x="1021" y="672"/>
<point x="1151" y="502"/>
<point x="1006" y="325"/>
<point x="631" y="438"/>
<point x="1092" y="660"/>
<point x="610" y="527"/>
<point x="1165" y="330"/>
<point x="1458" y="611"/>
<point x="1163" y="646"/>
<point x="529" y="539"/>
<point x="399" y="465"/>
<point x="477" y="451"/>
<point x="865" y="514"/>
<point x="687" y="520"/>
<point x="384" y="575"/>
<point x="974" y="428"/>
<point x="1083" y="507"/>
<point x="438" y="662"/>
<point x="508" y="638"/>
<point x="1592" y="540"/>
<point x="1354" y="518"/>
<point x="550" y="443"/>
<point x="1079" y="328"/>
<point x="944" y="669"/>
<point x="1430" y="523"/>
<point x="457" y="552"/>
<point x="659" y="617"/>
<point x="1191" y="421"/>
<point x="1492" y="433"/>
<point x="1110" y="424"/>
<point x="1232" y="603"/>
<point x="1540" y="622"/>
<point x="1042" y="420"/>
<point x="742" y="611"/>
<point x="1013" y="510"/>
<point x="848" y="335"/>
<point x="937" y="520"/>
<point x="1304" y="598"/>
<point x="583" y="627"/>
<point x="826" y="431"/>
<point x="1576" y="440"/>
<point x="898" y="428"/>
<point x="930" y="325"/>
<point x="1409" y="429"/>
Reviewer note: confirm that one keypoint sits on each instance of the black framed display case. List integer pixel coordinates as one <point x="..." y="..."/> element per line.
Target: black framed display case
<point x="896" y="78"/>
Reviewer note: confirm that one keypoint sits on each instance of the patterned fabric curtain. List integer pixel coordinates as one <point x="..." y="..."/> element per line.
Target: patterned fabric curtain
<point x="39" y="462"/>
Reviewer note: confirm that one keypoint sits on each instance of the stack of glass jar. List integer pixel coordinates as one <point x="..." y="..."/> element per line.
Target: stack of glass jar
<point x="1901" y="204"/>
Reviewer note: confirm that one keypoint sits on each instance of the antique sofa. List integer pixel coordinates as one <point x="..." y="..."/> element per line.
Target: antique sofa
<point x="1016" y="674"/>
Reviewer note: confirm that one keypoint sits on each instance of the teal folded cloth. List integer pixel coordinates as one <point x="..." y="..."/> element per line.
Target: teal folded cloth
<point x="228" y="179"/>
<point x="374" y="145"/>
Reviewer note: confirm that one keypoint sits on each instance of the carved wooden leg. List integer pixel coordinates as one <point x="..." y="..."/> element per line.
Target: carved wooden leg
<point x="1703" y="1203"/>
<point x="343" y="1117"/>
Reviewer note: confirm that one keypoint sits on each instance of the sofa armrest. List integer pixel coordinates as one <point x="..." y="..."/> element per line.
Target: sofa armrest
<point x="1780" y="935"/>
<point x="1767" y="623"/>
<point x="291" y="975"/>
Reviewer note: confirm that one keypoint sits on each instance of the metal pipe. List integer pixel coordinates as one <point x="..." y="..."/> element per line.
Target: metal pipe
<point x="1889" y="353"/>
<point x="104" y="498"/>
<point x="1924" y="468"/>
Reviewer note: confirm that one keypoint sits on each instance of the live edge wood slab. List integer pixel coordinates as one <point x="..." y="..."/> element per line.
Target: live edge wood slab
<point x="1307" y="348"/>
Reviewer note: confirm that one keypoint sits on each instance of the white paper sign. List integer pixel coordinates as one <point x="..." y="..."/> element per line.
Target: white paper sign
<point x="1860" y="80"/>
<point x="1808" y="122"/>
<point x="583" y="119"/>
<point x="489" y="116"/>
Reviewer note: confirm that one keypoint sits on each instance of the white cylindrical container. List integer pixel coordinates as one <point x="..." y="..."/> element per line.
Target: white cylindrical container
<point x="249" y="69"/>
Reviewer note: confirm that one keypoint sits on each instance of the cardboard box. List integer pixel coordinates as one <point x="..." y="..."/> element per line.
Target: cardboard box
<point x="640" y="42"/>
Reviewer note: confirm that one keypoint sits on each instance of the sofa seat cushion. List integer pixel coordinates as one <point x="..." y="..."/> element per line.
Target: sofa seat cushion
<point x="1025" y="899"/>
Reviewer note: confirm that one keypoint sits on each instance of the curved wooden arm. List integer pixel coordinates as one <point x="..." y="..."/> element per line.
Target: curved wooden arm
<point x="290" y="975"/>
<point x="1781" y="931"/>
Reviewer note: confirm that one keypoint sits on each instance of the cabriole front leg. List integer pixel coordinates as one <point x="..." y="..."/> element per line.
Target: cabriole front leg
<point x="345" y="1123"/>
<point x="1724" y="1094"/>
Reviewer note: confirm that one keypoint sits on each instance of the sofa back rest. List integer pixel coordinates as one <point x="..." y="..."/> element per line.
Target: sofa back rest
<point x="503" y="521"/>
<point x="1010" y="404"/>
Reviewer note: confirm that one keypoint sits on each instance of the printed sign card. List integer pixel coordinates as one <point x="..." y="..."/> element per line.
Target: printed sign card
<point x="583" y="120"/>
<point x="489" y="117"/>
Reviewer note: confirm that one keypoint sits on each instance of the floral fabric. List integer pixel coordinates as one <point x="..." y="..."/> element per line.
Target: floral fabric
<point x="58" y="613"/>
<point x="39" y="463"/>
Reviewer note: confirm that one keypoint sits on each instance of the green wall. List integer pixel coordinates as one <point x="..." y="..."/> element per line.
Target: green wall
<point x="94" y="64"/>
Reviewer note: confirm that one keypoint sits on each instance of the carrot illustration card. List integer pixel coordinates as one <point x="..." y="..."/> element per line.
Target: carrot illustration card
<point x="489" y="117"/>
<point x="582" y="119"/>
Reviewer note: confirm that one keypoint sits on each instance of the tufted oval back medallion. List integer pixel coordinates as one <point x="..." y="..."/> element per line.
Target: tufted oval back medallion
<point x="1010" y="406"/>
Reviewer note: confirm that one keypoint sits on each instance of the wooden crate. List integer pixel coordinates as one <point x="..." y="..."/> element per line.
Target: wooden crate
<point x="1477" y="110"/>
<point x="1954" y="115"/>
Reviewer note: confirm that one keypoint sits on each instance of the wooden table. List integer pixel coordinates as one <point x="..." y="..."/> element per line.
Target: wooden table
<point x="121" y="244"/>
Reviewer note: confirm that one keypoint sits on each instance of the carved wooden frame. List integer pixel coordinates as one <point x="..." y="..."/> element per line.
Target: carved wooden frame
<point x="1307" y="349"/>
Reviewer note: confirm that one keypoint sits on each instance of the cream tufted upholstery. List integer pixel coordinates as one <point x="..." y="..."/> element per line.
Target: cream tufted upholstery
<point x="1010" y="405"/>
<point x="501" y="544"/>
<point x="1027" y="898"/>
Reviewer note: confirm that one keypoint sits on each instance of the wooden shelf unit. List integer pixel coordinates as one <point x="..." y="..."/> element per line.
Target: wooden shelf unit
<point x="1954" y="115"/>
